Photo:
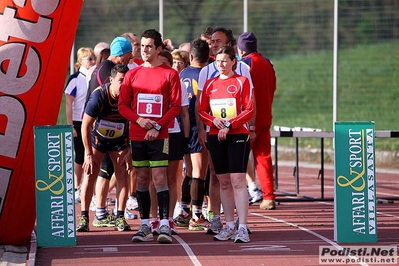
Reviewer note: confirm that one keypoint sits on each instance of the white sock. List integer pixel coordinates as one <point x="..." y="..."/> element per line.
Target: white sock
<point x="252" y="186"/>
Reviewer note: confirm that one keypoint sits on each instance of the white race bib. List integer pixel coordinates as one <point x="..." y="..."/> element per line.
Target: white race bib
<point x="149" y="105"/>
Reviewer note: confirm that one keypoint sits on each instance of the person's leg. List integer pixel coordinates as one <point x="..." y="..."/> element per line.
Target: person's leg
<point x="227" y="196"/>
<point x="199" y="168"/>
<point x="89" y="181"/>
<point x="214" y="190"/>
<point x="121" y="176"/>
<point x="185" y="202"/>
<point x="143" y="176"/>
<point x="218" y="159"/>
<point x="174" y="173"/>
<point x="87" y="188"/>
<point x="103" y="183"/>
<point x="253" y="190"/>
<point x="154" y="209"/>
<point x="261" y="149"/>
<point x="239" y="186"/>
<point x="79" y="158"/>
<point x="238" y="162"/>
<point x="102" y="188"/>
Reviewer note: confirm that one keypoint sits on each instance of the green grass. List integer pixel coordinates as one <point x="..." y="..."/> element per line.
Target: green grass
<point x="368" y="78"/>
<point x="368" y="82"/>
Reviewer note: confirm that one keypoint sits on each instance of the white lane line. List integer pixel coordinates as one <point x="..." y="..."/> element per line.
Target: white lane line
<point x="307" y="231"/>
<point x="188" y="250"/>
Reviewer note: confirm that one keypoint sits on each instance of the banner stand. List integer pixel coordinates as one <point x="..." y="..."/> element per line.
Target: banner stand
<point x="355" y="214"/>
<point x="55" y="191"/>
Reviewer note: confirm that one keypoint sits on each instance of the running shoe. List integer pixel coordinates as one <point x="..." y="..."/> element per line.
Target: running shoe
<point x="200" y="224"/>
<point x="132" y="203"/>
<point x="242" y="236"/>
<point x="216" y="226"/>
<point x="237" y="224"/>
<point x="173" y="227"/>
<point x="155" y="227"/>
<point x="225" y="234"/>
<point x="107" y="221"/>
<point x="121" y="225"/>
<point x="143" y="234"/>
<point x="267" y="205"/>
<point x="183" y="221"/>
<point x="83" y="225"/>
<point x="165" y="235"/>
<point x="129" y="215"/>
<point x="255" y="196"/>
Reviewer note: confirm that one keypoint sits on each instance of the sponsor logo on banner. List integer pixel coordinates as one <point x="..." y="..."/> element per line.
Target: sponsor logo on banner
<point x="355" y="184"/>
<point x="55" y="208"/>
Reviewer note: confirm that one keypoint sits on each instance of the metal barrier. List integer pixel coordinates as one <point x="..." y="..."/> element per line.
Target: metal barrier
<point x="308" y="133"/>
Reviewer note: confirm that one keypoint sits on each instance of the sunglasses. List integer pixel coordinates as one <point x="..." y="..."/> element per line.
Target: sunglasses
<point x="88" y="58"/>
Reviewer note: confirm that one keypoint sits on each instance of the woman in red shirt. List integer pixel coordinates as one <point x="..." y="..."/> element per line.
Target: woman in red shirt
<point x="226" y="105"/>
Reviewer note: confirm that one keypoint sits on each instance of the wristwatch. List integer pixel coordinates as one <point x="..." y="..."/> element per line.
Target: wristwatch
<point x="227" y="124"/>
<point x="157" y="127"/>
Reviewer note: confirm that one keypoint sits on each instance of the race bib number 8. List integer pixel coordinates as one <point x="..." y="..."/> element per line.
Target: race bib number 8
<point x="224" y="108"/>
<point x="149" y="105"/>
<point x="110" y="130"/>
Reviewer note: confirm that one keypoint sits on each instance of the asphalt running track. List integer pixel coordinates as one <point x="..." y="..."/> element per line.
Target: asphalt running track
<point x="289" y="235"/>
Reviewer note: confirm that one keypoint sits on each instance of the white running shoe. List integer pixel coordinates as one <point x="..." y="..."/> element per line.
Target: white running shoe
<point x="255" y="196"/>
<point x="225" y="234"/>
<point x="242" y="236"/>
<point x="165" y="234"/>
<point x="132" y="203"/>
<point x="129" y="215"/>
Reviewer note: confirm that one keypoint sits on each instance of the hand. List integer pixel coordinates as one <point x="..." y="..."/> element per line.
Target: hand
<point x="219" y="123"/>
<point x="75" y="134"/>
<point x="202" y="137"/>
<point x="151" y="134"/>
<point x="89" y="164"/>
<point x="146" y="123"/>
<point x="127" y="160"/>
<point x="223" y="133"/>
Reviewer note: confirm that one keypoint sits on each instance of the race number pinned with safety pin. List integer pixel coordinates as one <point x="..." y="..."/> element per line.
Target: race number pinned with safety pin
<point x="149" y="105"/>
<point x="110" y="130"/>
<point x="223" y="108"/>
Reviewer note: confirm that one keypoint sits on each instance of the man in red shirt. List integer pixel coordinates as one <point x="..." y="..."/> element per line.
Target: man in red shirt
<point x="264" y="81"/>
<point x="151" y="99"/>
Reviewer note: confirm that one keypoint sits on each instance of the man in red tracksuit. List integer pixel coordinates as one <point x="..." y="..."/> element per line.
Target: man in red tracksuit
<point x="264" y="81"/>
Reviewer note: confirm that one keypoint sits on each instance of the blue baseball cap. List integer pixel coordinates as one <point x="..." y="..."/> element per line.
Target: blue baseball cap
<point x="120" y="46"/>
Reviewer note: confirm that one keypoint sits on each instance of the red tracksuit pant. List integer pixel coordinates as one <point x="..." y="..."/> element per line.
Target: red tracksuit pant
<point x="261" y="149"/>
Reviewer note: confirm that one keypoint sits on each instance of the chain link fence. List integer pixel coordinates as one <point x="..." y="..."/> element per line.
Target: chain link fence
<point x="297" y="35"/>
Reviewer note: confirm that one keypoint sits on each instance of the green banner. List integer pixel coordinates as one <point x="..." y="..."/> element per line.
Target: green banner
<point x="54" y="168"/>
<point x="355" y="214"/>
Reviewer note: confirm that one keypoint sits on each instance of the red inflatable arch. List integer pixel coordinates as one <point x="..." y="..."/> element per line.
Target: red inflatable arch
<point x="36" y="38"/>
